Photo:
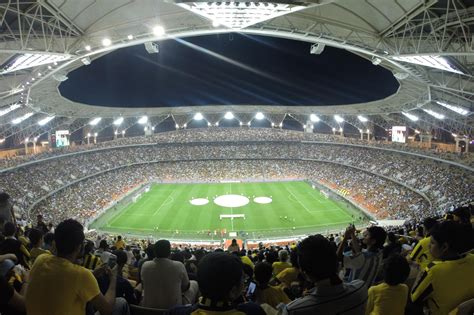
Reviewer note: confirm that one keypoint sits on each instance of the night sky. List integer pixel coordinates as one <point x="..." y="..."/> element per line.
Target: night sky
<point x="230" y="69"/>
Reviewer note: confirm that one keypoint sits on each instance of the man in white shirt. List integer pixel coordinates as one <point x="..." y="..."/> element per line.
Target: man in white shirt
<point x="165" y="282"/>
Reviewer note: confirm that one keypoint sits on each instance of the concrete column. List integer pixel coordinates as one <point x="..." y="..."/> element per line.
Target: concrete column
<point x="26" y="146"/>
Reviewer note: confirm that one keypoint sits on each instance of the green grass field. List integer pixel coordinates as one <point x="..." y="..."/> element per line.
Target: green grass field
<point x="166" y="211"/>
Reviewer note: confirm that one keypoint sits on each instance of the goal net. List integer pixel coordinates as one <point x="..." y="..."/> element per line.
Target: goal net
<point x="325" y="194"/>
<point x="136" y="197"/>
<point x="231" y="216"/>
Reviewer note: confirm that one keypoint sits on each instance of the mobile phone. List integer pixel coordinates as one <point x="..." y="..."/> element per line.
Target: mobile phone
<point x="112" y="261"/>
<point x="251" y="290"/>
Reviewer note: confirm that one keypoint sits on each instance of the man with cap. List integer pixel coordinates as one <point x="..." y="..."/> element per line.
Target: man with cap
<point x="220" y="278"/>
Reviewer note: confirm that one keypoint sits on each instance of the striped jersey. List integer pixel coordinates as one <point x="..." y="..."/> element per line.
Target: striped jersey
<point x="364" y="266"/>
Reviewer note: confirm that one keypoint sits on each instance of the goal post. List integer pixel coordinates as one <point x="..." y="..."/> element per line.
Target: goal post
<point x="231" y="216"/>
<point x="325" y="194"/>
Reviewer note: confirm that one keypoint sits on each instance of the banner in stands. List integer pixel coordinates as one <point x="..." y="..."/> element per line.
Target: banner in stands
<point x="399" y="134"/>
<point x="62" y="138"/>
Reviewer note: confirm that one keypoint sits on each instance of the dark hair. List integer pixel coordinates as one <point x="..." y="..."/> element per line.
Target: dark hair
<point x="35" y="236"/>
<point x="4" y="197"/>
<point x="178" y="256"/>
<point x="119" y="237"/>
<point x="317" y="257"/>
<point x="9" y="229"/>
<point x="378" y="234"/>
<point x="68" y="235"/>
<point x="121" y="257"/>
<point x="395" y="270"/>
<point x="263" y="273"/>
<point x="217" y="274"/>
<point x="103" y="244"/>
<point x="294" y="259"/>
<point x="429" y="224"/>
<point x="392" y="237"/>
<point x="459" y="237"/>
<point x="88" y="247"/>
<point x="48" y="238"/>
<point x="162" y="249"/>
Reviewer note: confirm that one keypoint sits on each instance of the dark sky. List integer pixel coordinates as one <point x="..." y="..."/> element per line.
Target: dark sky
<point x="228" y="69"/>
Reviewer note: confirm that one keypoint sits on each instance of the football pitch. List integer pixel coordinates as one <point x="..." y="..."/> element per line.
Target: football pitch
<point x="253" y="210"/>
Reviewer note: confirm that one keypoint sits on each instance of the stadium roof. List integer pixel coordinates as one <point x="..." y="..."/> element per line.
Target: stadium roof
<point x="427" y="44"/>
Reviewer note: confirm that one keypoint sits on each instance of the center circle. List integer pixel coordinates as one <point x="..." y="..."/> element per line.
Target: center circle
<point x="231" y="201"/>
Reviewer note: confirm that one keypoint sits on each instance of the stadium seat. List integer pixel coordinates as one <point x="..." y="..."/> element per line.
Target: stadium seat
<point x="140" y="310"/>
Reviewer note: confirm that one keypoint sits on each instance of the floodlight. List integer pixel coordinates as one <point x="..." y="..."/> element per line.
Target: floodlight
<point x="217" y="124"/>
<point x="143" y="120"/>
<point x="118" y="121"/>
<point x="2" y="140"/>
<point x="39" y="74"/>
<point x="116" y="132"/>
<point x="198" y="116"/>
<point x="434" y="114"/>
<point x="185" y="125"/>
<point x="49" y="67"/>
<point x="209" y="124"/>
<point x="239" y="15"/>
<point x="32" y="79"/>
<point x="45" y="120"/>
<point x="333" y="129"/>
<point x="417" y="131"/>
<point x="145" y="129"/>
<point x="11" y="108"/>
<point x="456" y="109"/>
<point x="368" y="130"/>
<point x="432" y="61"/>
<point x="314" y="118"/>
<point x="106" y="42"/>
<point x="216" y="23"/>
<point x="88" y="134"/>
<point x="88" y="48"/>
<point x="229" y="115"/>
<point x="22" y="118"/>
<point x="281" y="124"/>
<point x="153" y="128"/>
<point x="273" y="125"/>
<point x="410" y="116"/>
<point x="27" y="139"/>
<point x="338" y="118"/>
<point x="240" y="123"/>
<point x="360" y="130"/>
<point x="95" y="134"/>
<point x="130" y="37"/>
<point x="159" y="30"/>
<point x="177" y="126"/>
<point x="340" y="129"/>
<point x="25" y="61"/>
<point x="123" y="132"/>
<point x="362" y="118"/>
<point x="454" y="135"/>
<point x="259" y="116"/>
<point x="95" y="121"/>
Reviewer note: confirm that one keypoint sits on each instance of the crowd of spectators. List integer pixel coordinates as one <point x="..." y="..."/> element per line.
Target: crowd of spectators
<point x="445" y="185"/>
<point x="218" y="134"/>
<point x="374" y="271"/>
<point x="84" y="200"/>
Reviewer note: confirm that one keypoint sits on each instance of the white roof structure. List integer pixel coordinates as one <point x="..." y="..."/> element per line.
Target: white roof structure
<point x="427" y="44"/>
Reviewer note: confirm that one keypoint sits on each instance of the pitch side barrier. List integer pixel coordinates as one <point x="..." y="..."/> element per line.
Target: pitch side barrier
<point x="232" y="142"/>
<point x="203" y="160"/>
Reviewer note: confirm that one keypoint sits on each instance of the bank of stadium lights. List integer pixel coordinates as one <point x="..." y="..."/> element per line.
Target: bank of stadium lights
<point x="434" y="114"/>
<point x="106" y="42"/>
<point x="30" y="60"/>
<point x="238" y="15"/>
<point x="455" y="109"/>
<point x="143" y="120"/>
<point x="259" y="116"/>
<point x="18" y="120"/>
<point x="229" y="116"/>
<point x="158" y="30"/>
<point x="454" y="135"/>
<point x="95" y="121"/>
<point x="45" y="120"/>
<point x="338" y="118"/>
<point x="410" y="116"/>
<point x="314" y="118"/>
<point x="123" y="132"/>
<point x="177" y="126"/>
<point x="118" y="121"/>
<point x="88" y="47"/>
<point x="437" y="62"/>
<point x="130" y="37"/>
<point x="11" y="108"/>
<point x="96" y="134"/>
<point x="340" y="129"/>
<point x="362" y="119"/>
<point x="198" y="116"/>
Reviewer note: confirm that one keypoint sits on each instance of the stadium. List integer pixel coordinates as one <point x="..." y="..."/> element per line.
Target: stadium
<point x="178" y="130"/>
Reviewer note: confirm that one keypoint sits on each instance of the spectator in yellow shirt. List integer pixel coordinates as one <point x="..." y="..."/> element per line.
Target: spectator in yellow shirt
<point x="282" y="264"/>
<point x="266" y="293"/>
<point x="120" y="244"/>
<point x="390" y="297"/>
<point x="59" y="286"/>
